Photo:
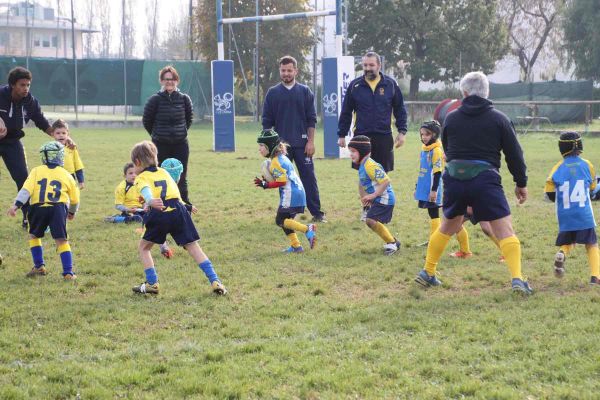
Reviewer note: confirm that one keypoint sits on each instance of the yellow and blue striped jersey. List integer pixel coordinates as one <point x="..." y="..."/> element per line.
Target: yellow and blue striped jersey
<point x="128" y="195"/>
<point x="72" y="160"/>
<point x="292" y="193"/>
<point x="572" y="179"/>
<point x="51" y="186"/>
<point x="371" y="175"/>
<point x="432" y="161"/>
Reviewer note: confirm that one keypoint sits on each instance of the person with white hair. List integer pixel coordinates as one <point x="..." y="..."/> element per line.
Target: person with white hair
<point x="473" y="137"/>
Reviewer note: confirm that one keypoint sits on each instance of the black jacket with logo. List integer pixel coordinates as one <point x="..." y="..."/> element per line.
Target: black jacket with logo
<point x="16" y="115"/>
<point x="167" y="117"/>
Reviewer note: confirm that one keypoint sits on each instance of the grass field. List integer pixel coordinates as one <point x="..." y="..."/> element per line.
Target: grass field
<point x="341" y="321"/>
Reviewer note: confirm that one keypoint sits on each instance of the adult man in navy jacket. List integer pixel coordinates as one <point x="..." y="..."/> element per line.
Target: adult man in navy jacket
<point x="17" y="107"/>
<point x="373" y="97"/>
<point x="289" y="108"/>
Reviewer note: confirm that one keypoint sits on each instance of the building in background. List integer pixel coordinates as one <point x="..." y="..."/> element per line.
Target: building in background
<point x="30" y="29"/>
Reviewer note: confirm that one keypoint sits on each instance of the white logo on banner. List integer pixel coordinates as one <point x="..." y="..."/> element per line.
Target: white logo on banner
<point x="330" y="104"/>
<point x="223" y="104"/>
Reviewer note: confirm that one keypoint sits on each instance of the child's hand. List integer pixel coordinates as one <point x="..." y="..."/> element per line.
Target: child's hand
<point x="194" y="209"/>
<point x="367" y="200"/>
<point x="157" y="204"/>
<point x="12" y="211"/>
<point x="432" y="196"/>
<point x="70" y="143"/>
<point x="260" y="183"/>
<point x="81" y="185"/>
<point x="70" y="216"/>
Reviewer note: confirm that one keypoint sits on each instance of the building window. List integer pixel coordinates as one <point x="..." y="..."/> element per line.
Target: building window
<point x="45" y="40"/>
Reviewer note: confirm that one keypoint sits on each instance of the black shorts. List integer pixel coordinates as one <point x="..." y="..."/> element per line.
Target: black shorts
<point x="584" y="236"/>
<point x="484" y="194"/>
<point x="380" y="212"/>
<point x="54" y="216"/>
<point x="428" y="204"/>
<point x="382" y="150"/>
<point x="177" y="223"/>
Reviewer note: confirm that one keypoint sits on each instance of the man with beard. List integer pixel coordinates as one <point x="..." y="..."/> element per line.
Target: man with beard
<point x="373" y="98"/>
<point x="289" y="108"/>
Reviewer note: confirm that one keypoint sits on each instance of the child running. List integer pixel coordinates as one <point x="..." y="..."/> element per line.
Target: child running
<point x="292" y="198"/>
<point x="166" y="215"/>
<point x="569" y="185"/>
<point x="54" y="198"/>
<point x="375" y="192"/>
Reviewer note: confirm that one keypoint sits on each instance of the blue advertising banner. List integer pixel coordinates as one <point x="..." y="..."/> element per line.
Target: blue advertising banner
<point x="330" y="107"/>
<point x="223" y="109"/>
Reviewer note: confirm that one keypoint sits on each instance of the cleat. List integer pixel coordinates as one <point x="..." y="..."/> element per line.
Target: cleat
<point x="291" y="249"/>
<point x="25" y="224"/>
<point x="311" y="235"/>
<point x="69" y="277"/>
<point x="320" y="219"/>
<point x="391" y="248"/>
<point x="559" y="264"/>
<point x="363" y="215"/>
<point x="134" y="218"/>
<point x="595" y="281"/>
<point x="521" y="286"/>
<point x="426" y="280"/>
<point x="1" y="259"/>
<point x="502" y="259"/>
<point x="218" y="288"/>
<point x="461" y="254"/>
<point x="166" y="251"/>
<point x="37" y="271"/>
<point x="146" y="288"/>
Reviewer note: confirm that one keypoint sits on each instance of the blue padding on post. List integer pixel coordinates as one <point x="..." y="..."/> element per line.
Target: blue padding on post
<point x="330" y="107"/>
<point x="223" y="105"/>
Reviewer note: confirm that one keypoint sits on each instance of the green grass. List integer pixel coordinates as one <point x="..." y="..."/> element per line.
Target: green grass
<point x="342" y="321"/>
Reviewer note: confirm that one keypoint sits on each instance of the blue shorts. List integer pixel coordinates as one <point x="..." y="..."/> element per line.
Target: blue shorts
<point x="380" y="212"/>
<point x="178" y="223"/>
<point x="54" y="216"/>
<point x="484" y="193"/>
<point x="583" y="236"/>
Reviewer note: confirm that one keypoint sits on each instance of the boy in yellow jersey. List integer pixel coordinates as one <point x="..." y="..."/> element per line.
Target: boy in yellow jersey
<point x="72" y="163"/>
<point x="166" y="215"/>
<point x="54" y="198"/>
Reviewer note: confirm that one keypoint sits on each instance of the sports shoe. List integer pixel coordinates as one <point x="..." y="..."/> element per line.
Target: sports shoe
<point x="218" y="288"/>
<point x="594" y="281"/>
<point x="25" y="224"/>
<point x="521" y="286"/>
<point x="1" y="259"/>
<point x="559" y="264"/>
<point x="40" y="271"/>
<point x="134" y="218"/>
<point x="363" y="215"/>
<point x="69" y="277"/>
<point x="146" y="288"/>
<point x="391" y="248"/>
<point x="320" y="219"/>
<point x="311" y="235"/>
<point x="460" y="254"/>
<point x="502" y="259"/>
<point x="426" y="281"/>
<point x="166" y="251"/>
<point x="291" y="249"/>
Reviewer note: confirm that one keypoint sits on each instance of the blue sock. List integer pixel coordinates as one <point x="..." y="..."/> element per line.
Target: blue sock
<point x="208" y="270"/>
<point x="37" y="252"/>
<point x="66" y="258"/>
<point x="151" y="276"/>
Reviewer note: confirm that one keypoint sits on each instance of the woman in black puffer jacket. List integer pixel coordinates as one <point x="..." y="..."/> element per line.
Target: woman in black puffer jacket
<point x="167" y="118"/>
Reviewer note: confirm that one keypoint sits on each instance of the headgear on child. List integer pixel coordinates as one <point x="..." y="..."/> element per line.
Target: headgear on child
<point x="52" y="153"/>
<point x="362" y="144"/>
<point x="174" y="167"/>
<point x="570" y="142"/>
<point x="435" y="128"/>
<point x="269" y="138"/>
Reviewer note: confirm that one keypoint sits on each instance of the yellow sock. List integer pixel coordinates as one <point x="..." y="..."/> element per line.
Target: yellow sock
<point x="383" y="232"/>
<point x="566" y="248"/>
<point x="437" y="243"/>
<point x="293" y="239"/>
<point x="295" y="225"/>
<point x="35" y="242"/>
<point x="511" y="250"/>
<point x="434" y="224"/>
<point x="495" y="240"/>
<point x="594" y="260"/>
<point x="463" y="240"/>
<point x="63" y="247"/>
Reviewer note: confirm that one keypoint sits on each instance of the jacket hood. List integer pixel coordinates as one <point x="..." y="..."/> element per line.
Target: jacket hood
<point x="474" y="105"/>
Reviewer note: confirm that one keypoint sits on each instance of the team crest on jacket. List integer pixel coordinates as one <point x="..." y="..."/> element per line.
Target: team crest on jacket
<point x="381" y="91"/>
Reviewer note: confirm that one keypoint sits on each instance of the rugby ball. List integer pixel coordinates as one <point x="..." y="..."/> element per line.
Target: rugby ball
<point x="265" y="172"/>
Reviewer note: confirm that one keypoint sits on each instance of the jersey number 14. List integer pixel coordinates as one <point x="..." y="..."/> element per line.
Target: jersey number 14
<point x="578" y="195"/>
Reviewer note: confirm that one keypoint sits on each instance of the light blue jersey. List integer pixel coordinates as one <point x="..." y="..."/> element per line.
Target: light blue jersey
<point x="292" y="193"/>
<point x="432" y="161"/>
<point x="572" y="179"/>
<point x="371" y="175"/>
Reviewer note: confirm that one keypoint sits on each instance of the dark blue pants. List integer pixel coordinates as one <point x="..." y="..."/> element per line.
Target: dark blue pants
<point x="13" y="155"/>
<point x="306" y="171"/>
<point x="180" y="151"/>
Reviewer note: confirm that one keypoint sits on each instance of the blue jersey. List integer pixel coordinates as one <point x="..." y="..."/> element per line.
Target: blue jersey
<point x="572" y="179"/>
<point x="432" y="161"/>
<point x="371" y="175"/>
<point x="292" y="193"/>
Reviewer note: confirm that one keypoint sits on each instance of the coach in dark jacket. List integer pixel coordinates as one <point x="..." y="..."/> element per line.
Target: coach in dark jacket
<point x="167" y="118"/>
<point x="17" y="107"/>
<point x="473" y="137"/>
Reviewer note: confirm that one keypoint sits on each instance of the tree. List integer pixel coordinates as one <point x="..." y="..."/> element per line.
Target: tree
<point x="533" y="31"/>
<point x="105" y="27"/>
<point x="127" y="28"/>
<point x="430" y="40"/>
<point x="582" y="37"/>
<point x="175" y="46"/>
<point x="152" y="37"/>
<point x="277" y="38"/>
